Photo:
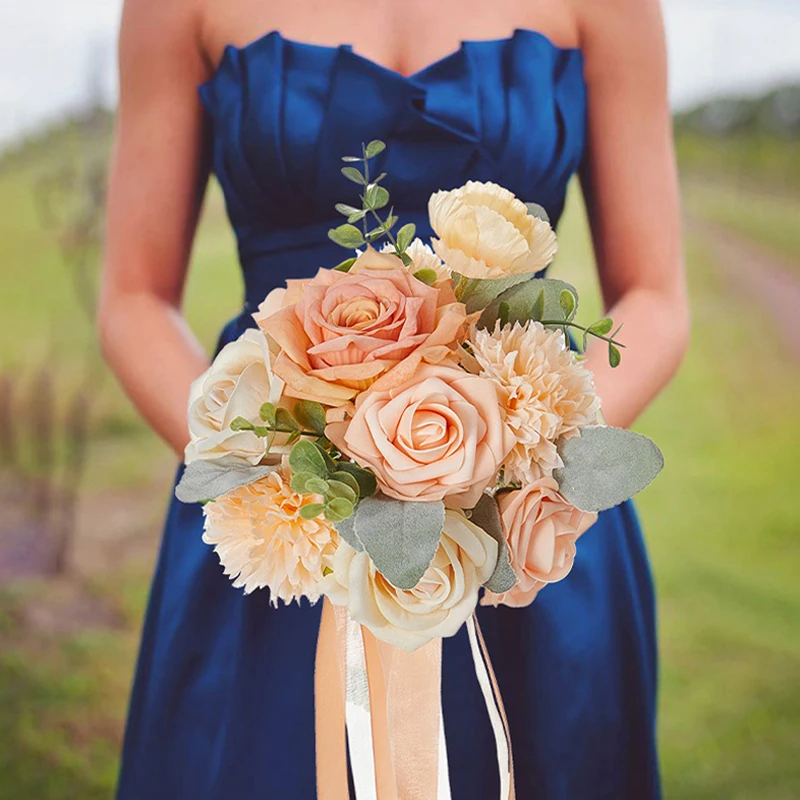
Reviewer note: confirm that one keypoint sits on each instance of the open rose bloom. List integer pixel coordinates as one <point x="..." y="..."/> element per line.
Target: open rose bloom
<point x="373" y="442"/>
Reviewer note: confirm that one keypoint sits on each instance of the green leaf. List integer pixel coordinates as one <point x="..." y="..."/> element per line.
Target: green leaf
<point x="376" y="196"/>
<point x="367" y="483"/>
<point x="389" y="222"/>
<point x="602" y="327"/>
<point x="208" y="480"/>
<point x="347" y="236"/>
<point x="353" y="174"/>
<point x="294" y="437"/>
<point x="347" y="479"/>
<point x="305" y="457"/>
<point x="486" y="515"/>
<point x="405" y="236"/>
<point x="614" y="356"/>
<point x="315" y="485"/>
<point x="503" y="313"/>
<point x="241" y="424"/>
<point x="346" y="529"/>
<point x="477" y="293"/>
<point x="345" y="265"/>
<point x="285" y="420"/>
<point x="340" y="489"/>
<point x="347" y="210"/>
<point x="352" y="159"/>
<point x="299" y="482"/>
<point x="330" y="464"/>
<point x="379" y="178"/>
<point x="522" y="298"/>
<point x="312" y="510"/>
<point x="374" y="147"/>
<point x="400" y="537"/>
<point x="426" y="275"/>
<point x="338" y="509"/>
<point x="310" y="415"/>
<point x="605" y="466"/>
<point x="568" y="303"/>
<point x="267" y="412"/>
<point x="535" y="210"/>
<point x="537" y="309"/>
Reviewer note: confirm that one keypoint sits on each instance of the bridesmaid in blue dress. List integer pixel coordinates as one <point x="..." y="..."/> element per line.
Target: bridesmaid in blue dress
<point x="223" y="701"/>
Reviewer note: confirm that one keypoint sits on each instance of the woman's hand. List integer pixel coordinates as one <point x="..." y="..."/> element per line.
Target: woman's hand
<point x="632" y="196"/>
<point x="158" y="178"/>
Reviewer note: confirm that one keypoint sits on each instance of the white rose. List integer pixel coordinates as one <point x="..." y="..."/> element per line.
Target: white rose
<point x="486" y="232"/>
<point x="237" y="384"/>
<point x="440" y="603"/>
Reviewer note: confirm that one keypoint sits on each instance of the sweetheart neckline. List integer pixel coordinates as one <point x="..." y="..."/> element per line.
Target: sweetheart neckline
<point x="230" y="49"/>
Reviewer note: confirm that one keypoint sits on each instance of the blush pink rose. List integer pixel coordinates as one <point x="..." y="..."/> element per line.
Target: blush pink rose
<point x="541" y="529"/>
<point x="439" y="435"/>
<point x="339" y="333"/>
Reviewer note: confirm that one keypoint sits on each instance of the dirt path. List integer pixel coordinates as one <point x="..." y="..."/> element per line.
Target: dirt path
<point x="757" y="273"/>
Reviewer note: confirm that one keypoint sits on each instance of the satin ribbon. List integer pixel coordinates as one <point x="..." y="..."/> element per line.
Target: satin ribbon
<point x="384" y="706"/>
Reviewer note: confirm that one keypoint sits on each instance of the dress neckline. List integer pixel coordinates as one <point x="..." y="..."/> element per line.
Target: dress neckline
<point x="232" y="49"/>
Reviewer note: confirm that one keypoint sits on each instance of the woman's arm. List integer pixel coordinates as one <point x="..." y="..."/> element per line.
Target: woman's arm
<point x="632" y="197"/>
<point x="158" y="179"/>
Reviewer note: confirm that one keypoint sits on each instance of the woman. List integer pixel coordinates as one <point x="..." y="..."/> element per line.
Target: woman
<point x="523" y="94"/>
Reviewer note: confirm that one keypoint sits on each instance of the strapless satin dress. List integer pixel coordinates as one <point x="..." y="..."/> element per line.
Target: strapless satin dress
<point x="223" y="700"/>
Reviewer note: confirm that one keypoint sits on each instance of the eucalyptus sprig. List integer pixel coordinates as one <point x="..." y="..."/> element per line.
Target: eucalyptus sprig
<point x="373" y="198"/>
<point x="307" y="419"/>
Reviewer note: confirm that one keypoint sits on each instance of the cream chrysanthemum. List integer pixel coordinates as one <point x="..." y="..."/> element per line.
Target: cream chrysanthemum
<point x="423" y="257"/>
<point x="262" y="541"/>
<point x="547" y="394"/>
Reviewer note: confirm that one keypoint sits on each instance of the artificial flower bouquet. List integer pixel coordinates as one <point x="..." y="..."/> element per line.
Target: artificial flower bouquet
<point x="413" y="425"/>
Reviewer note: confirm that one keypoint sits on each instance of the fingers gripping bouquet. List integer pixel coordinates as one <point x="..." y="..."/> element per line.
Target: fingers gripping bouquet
<point x="411" y="426"/>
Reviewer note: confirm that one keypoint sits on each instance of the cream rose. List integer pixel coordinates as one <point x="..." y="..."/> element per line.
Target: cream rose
<point x="237" y="384"/>
<point x="437" y="606"/>
<point x="438" y="436"/>
<point x="340" y="333"/>
<point x="541" y="529"/>
<point x="486" y="232"/>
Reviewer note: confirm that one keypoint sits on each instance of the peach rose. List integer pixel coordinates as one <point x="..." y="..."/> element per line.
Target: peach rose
<point x="541" y="528"/>
<point x="438" y="436"/>
<point x="340" y="333"/>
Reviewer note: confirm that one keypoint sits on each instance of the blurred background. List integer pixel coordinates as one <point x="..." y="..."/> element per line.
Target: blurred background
<point x="83" y="483"/>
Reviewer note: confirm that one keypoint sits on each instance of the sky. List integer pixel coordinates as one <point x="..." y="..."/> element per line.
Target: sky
<point x="50" y="48"/>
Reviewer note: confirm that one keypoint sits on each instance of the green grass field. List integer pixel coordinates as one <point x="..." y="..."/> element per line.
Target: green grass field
<point x="721" y="521"/>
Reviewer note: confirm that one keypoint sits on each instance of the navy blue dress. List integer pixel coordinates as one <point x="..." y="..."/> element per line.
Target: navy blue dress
<point x="223" y="701"/>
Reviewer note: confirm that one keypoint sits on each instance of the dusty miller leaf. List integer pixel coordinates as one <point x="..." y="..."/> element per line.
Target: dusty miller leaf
<point x="523" y="297"/>
<point x="486" y="515"/>
<point x="208" y="480"/>
<point x="605" y="466"/>
<point x="400" y="537"/>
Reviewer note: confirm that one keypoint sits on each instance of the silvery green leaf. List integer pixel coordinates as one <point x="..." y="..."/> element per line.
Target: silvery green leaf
<point x="400" y="537"/>
<point x="522" y="298"/>
<point x="347" y="530"/>
<point x="208" y="480"/>
<point x="605" y="466"/>
<point x="310" y="415"/>
<point x="568" y="303"/>
<point x="406" y="235"/>
<point x="341" y="489"/>
<point x="602" y="326"/>
<point x="338" y="509"/>
<point x="535" y="210"/>
<point x="347" y="210"/>
<point x="486" y="515"/>
<point x="267" y="413"/>
<point x="348" y="480"/>
<point x="305" y="457"/>
<point x="374" y="147"/>
<point x="376" y="196"/>
<point x="345" y="265"/>
<point x="367" y="484"/>
<point x="353" y="174"/>
<point x="614" y="356"/>
<point x="347" y="236"/>
<point x="312" y="510"/>
<point x="479" y="293"/>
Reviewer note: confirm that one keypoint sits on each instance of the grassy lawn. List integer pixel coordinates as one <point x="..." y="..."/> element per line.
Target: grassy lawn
<point x="721" y="523"/>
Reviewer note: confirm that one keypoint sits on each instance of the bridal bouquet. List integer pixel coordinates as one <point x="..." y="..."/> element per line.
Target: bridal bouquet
<point x="414" y="425"/>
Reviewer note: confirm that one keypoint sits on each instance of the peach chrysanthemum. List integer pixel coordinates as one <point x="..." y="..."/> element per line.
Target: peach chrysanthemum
<point x="547" y="394"/>
<point x="262" y="541"/>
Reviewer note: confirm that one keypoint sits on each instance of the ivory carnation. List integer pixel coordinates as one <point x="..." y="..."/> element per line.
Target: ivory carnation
<point x="486" y="232"/>
<point x="262" y="541"/>
<point x="438" y="436"/>
<point x="541" y="529"/>
<point x="237" y="384"/>
<point x="340" y="333"/>
<point x="437" y="606"/>
<point x="545" y="392"/>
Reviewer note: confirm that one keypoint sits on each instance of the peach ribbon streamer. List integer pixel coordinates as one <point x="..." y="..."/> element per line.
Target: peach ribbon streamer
<point x="384" y="705"/>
